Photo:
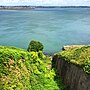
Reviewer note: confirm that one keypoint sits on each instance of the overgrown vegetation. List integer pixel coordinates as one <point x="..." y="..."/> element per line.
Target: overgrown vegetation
<point x="35" y="46"/>
<point x="78" y="56"/>
<point x="23" y="70"/>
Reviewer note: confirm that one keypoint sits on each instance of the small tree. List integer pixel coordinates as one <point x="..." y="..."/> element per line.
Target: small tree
<point x="35" y="46"/>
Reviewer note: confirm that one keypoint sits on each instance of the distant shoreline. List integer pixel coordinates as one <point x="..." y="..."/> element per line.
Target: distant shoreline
<point x="33" y="7"/>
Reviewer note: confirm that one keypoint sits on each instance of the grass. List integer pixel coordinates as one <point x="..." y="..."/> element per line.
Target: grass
<point x="78" y="56"/>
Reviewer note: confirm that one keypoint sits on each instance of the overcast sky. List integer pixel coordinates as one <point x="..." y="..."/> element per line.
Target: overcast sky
<point x="46" y="2"/>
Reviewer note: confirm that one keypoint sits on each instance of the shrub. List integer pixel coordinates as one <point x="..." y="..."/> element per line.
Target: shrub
<point x="22" y="70"/>
<point x="35" y="46"/>
<point x="78" y="56"/>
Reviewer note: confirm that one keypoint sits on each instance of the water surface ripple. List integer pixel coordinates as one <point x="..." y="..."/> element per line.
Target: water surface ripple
<point x="53" y="27"/>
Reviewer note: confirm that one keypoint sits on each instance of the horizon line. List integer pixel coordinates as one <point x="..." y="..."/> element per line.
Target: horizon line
<point x="49" y="5"/>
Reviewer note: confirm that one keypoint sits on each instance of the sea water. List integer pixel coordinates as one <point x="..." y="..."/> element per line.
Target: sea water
<point x="54" y="27"/>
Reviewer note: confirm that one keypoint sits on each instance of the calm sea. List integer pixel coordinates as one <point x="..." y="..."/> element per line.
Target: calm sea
<point x="53" y="27"/>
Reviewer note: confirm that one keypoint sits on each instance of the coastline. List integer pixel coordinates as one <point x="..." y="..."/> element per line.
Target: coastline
<point x="33" y="7"/>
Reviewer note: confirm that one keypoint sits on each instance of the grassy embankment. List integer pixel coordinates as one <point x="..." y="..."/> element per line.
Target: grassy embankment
<point x="77" y="55"/>
<point x="22" y="70"/>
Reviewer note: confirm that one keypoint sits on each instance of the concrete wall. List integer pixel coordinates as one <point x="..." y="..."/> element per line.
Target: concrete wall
<point x="73" y="76"/>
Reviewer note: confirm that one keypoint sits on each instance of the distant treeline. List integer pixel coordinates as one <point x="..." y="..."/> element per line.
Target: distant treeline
<point x="16" y="7"/>
<point x="32" y="7"/>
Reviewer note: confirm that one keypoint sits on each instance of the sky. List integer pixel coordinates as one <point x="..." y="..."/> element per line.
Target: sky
<point x="46" y="2"/>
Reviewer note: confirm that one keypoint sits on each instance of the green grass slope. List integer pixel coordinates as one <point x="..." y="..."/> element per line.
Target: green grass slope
<point x="78" y="56"/>
<point x="22" y="70"/>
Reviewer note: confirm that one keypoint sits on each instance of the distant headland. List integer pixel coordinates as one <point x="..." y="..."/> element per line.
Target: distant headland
<point x="33" y="7"/>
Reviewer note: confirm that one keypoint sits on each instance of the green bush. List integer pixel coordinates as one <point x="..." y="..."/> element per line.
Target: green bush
<point x="78" y="56"/>
<point x="23" y="70"/>
<point x="35" y="46"/>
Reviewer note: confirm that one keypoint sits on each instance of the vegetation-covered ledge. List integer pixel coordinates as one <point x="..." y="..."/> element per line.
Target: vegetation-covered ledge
<point x="23" y="70"/>
<point x="73" y="65"/>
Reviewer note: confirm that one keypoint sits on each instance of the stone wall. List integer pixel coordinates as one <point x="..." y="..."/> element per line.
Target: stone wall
<point x="73" y="76"/>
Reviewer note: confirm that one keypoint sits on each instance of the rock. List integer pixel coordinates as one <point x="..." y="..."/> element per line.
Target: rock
<point x="73" y="75"/>
<point x="71" y="46"/>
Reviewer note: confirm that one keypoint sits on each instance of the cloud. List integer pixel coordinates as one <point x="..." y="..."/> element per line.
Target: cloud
<point x="45" y="2"/>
